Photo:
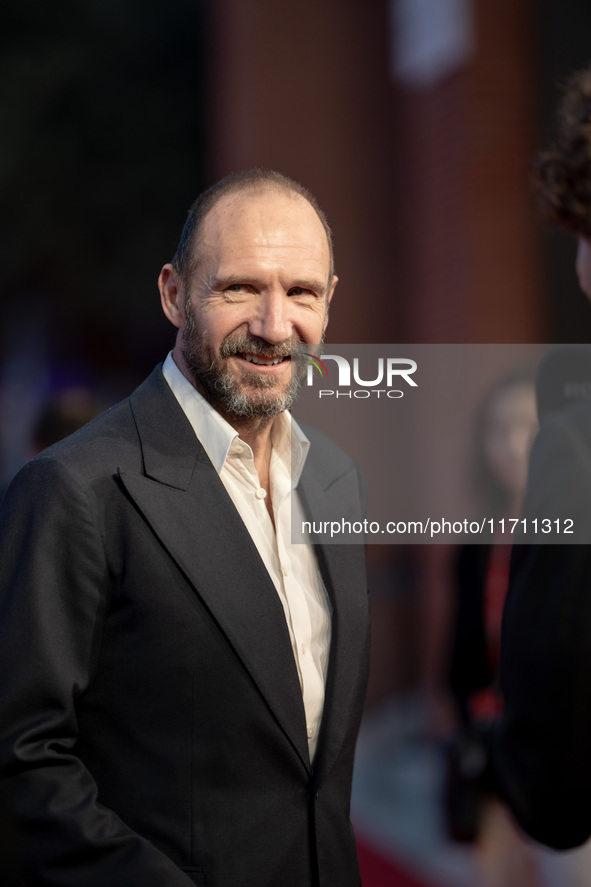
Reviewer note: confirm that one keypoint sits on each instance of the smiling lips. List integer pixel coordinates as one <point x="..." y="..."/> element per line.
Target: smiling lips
<point x="259" y="360"/>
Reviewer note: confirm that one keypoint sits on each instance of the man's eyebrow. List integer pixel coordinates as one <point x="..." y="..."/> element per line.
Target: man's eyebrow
<point x="220" y="283"/>
<point x="318" y="286"/>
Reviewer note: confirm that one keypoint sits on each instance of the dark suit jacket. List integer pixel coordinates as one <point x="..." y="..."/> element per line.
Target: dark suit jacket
<point x="152" y="730"/>
<point x="469" y="668"/>
<point x="542" y="744"/>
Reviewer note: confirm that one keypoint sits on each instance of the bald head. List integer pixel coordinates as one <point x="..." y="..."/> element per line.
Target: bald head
<point x="256" y="181"/>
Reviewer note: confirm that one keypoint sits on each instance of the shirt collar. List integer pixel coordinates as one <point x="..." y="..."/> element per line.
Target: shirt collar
<point x="216" y="435"/>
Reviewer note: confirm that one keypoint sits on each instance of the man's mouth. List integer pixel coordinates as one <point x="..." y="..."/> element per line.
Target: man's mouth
<point x="260" y="360"/>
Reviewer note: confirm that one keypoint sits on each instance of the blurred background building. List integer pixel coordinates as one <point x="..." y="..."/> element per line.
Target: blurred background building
<point x="414" y="122"/>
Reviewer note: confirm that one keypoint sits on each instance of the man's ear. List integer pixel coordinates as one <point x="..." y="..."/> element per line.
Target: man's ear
<point x="172" y="295"/>
<point x="331" y="290"/>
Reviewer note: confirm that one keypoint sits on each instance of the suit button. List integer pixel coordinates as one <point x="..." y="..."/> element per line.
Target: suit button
<point x="316" y="796"/>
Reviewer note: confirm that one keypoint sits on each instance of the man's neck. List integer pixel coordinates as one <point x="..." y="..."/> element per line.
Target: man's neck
<point x="256" y="432"/>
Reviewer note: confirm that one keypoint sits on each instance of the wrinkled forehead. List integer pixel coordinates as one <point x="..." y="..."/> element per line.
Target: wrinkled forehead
<point x="264" y="220"/>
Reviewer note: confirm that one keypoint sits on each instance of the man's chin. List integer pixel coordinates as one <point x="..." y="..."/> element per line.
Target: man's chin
<point x="256" y="404"/>
<point x="239" y="390"/>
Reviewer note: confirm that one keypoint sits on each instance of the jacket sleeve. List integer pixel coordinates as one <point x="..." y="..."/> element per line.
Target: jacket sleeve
<point x="54" y="587"/>
<point x="468" y="668"/>
<point x="540" y="746"/>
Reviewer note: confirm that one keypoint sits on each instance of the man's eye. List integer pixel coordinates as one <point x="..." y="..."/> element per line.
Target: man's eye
<point x="300" y="291"/>
<point x="236" y="287"/>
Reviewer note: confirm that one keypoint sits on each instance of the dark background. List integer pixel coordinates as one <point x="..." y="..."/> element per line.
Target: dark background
<point x="103" y="109"/>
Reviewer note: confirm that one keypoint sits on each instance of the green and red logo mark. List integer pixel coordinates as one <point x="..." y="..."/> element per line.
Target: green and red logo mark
<point x="315" y="362"/>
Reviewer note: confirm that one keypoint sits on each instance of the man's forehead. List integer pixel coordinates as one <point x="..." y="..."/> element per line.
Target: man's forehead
<point x="260" y="211"/>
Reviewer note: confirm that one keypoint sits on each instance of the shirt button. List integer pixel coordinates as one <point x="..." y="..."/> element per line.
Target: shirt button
<point x="310" y="732"/>
<point x="260" y="493"/>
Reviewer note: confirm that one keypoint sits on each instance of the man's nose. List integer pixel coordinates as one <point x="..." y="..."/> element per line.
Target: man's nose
<point x="272" y="318"/>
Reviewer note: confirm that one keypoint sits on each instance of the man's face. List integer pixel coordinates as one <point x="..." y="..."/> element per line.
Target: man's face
<point x="260" y="287"/>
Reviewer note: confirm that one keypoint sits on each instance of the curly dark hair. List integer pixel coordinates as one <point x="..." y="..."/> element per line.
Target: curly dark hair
<point x="562" y="173"/>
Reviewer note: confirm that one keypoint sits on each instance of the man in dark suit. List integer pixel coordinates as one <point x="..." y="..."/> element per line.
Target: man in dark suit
<point x="541" y="745"/>
<point x="180" y="686"/>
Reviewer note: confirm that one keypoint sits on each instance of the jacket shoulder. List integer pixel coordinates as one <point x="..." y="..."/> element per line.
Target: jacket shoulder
<point x="107" y="442"/>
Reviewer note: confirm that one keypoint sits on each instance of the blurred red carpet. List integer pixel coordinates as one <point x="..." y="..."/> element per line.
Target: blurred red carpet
<point x="376" y="871"/>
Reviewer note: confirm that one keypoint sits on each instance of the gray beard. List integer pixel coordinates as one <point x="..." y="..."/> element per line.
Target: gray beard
<point x="260" y="397"/>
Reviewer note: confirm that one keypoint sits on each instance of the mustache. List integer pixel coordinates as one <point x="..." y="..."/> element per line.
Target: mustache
<point x="241" y="343"/>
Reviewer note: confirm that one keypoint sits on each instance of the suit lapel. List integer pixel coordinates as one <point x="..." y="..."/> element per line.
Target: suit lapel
<point x="187" y="506"/>
<point x="343" y="571"/>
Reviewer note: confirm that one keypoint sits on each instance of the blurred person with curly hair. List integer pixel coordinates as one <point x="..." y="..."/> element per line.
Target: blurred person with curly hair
<point x="541" y="744"/>
<point x="562" y="173"/>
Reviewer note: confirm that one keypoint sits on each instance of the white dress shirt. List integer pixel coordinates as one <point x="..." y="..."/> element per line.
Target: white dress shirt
<point x="293" y="568"/>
